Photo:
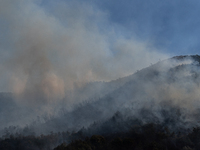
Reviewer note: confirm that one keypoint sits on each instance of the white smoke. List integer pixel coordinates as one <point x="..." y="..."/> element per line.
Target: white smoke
<point x="47" y="50"/>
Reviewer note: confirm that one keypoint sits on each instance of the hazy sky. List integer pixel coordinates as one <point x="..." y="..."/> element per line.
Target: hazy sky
<point x="47" y="45"/>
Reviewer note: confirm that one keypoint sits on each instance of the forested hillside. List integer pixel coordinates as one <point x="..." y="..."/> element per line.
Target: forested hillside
<point x="155" y="108"/>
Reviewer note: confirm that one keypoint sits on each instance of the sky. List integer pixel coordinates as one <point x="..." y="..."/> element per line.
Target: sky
<point x="173" y="26"/>
<point x="47" y="46"/>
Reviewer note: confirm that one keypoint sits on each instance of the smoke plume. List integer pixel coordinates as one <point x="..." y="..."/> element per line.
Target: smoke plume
<point x="46" y="50"/>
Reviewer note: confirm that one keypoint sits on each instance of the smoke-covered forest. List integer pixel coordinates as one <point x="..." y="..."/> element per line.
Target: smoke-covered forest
<point x="97" y="75"/>
<point x="155" y="108"/>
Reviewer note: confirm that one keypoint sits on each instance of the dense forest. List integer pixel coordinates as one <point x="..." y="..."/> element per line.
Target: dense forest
<point x="116" y="133"/>
<point x="154" y="108"/>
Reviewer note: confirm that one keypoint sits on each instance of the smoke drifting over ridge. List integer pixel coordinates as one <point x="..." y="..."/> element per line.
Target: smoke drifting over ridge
<point x="45" y="51"/>
<point x="50" y="54"/>
<point x="165" y="93"/>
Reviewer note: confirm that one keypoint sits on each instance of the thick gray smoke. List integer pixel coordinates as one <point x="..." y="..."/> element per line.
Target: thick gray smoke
<point x="46" y="50"/>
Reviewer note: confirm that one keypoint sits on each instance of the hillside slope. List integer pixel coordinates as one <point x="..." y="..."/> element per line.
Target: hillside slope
<point x="166" y="90"/>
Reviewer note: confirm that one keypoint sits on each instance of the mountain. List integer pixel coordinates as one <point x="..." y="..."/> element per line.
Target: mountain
<point x="163" y="92"/>
<point x="166" y="94"/>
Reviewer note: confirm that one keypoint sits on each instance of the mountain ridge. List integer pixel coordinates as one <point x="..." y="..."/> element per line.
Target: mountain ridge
<point x="148" y="89"/>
